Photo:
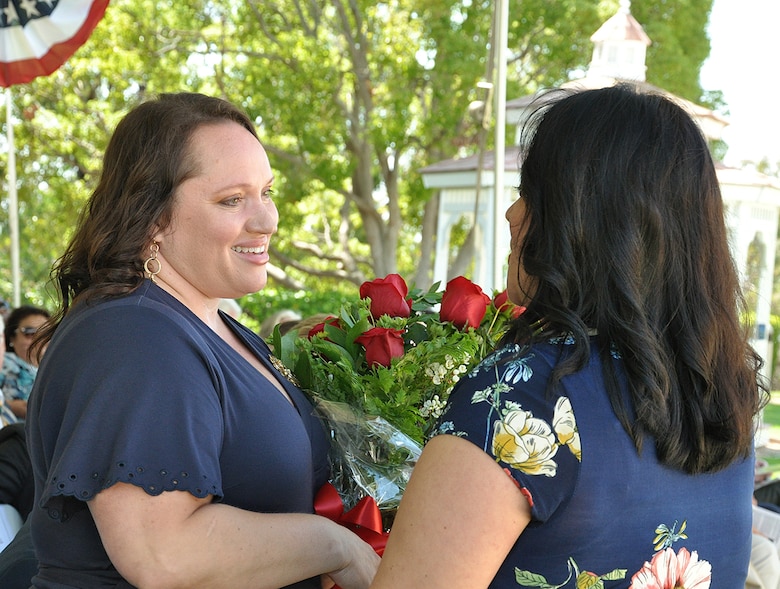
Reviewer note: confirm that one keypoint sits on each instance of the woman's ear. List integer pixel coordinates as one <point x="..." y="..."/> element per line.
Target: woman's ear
<point x="158" y="234"/>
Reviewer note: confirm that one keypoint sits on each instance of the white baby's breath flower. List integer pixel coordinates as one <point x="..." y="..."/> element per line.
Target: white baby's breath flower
<point x="436" y="372"/>
<point x="432" y="407"/>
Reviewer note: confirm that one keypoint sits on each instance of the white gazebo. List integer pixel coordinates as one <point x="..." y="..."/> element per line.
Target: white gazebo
<point x="752" y="200"/>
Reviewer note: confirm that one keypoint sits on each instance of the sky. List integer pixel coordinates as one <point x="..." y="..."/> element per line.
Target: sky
<point x="744" y="64"/>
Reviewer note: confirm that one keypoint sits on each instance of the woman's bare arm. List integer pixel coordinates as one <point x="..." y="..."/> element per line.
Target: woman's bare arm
<point x="177" y="540"/>
<point x="459" y="518"/>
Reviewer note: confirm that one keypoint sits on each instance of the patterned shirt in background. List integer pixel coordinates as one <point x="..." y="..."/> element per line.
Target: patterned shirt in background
<point x="6" y="415"/>
<point x="16" y="381"/>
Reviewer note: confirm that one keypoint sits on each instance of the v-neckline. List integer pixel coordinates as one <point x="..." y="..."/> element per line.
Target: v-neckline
<point x="263" y="356"/>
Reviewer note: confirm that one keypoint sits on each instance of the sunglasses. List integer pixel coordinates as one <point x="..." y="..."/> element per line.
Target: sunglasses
<point x="28" y="331"/>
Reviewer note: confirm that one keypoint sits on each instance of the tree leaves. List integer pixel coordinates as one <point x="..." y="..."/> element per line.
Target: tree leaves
<point x="351" y="100"/>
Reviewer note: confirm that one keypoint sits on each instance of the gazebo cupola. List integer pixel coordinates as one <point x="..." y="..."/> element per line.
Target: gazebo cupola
<point x="620" y="47"/>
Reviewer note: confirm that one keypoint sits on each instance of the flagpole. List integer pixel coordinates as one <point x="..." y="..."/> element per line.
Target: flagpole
<point x="499" y="203"/>
<point x="13" y="205"/>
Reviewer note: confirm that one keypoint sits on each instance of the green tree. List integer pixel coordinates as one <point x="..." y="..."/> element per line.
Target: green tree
<point x="351" y="98"/>
<point x="680" y="46"/>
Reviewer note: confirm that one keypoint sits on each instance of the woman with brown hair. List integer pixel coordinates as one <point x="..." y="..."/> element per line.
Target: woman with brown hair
<point x="167" y="449"/>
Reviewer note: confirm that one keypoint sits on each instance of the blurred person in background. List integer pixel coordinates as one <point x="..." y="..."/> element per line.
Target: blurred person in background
<point x="277" y="318"/>
<point x="6" y="415"/>
<point x="20" y="367"/>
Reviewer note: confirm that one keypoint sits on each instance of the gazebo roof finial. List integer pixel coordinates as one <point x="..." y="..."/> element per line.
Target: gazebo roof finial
<point x="625" y="6"/>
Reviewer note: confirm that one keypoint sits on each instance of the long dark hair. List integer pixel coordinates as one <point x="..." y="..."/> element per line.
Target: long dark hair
<point x="626" y="235"/>
<point x="147" y="158"/>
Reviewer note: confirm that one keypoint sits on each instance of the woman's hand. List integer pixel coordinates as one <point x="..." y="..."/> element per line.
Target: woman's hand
<point x="360" y="570"/>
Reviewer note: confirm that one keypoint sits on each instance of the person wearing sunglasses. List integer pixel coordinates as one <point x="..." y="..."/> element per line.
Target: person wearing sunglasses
<point x="19" y="365"/>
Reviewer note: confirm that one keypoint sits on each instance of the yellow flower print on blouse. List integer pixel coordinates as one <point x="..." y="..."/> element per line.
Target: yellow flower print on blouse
<point x="525" y="443"/>
<point x="565" y="427"/>
<point x="528" y="444"/>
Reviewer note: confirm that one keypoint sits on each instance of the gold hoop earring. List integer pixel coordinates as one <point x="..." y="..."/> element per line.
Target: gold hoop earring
<point x="152" y="265"/>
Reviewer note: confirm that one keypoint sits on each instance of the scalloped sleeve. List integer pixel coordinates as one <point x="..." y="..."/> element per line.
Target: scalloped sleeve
<point x="135" y="409"/>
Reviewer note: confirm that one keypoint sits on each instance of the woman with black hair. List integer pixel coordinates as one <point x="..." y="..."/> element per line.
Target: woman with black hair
<point x="608" y="442"/>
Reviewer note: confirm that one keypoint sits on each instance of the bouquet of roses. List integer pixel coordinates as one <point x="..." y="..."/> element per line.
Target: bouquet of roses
<point x="382" y="368"/>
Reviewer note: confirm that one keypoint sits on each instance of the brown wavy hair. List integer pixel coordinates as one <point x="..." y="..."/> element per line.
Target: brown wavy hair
<point x="147" y="158"/>
<point x="626" y="235"/>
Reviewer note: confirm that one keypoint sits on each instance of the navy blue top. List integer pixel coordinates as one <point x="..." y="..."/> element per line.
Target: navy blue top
<point x="139" y="390"/>
<point x="599" y="509"/>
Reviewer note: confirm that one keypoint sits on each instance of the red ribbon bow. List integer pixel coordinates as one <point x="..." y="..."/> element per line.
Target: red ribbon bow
<point x="364" y="519"/>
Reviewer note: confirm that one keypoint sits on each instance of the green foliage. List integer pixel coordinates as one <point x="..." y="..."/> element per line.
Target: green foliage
<point x="306" y="303"/>
<point x="680" y="46"/>
<point x="409" y="393"/>
<point x="62" y="123"/>
<point x="351" y="100"/>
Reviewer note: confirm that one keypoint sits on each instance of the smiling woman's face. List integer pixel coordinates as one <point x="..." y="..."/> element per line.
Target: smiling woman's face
<point x="216" y="245"/>
<point x="23" y="336"/>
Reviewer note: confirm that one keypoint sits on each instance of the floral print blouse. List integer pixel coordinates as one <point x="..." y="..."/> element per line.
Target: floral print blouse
<point x="17" y="377"/>
<point x="603" y="515"/>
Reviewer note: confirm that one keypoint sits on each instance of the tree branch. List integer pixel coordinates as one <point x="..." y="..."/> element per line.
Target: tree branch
<point x="355" y="277"/>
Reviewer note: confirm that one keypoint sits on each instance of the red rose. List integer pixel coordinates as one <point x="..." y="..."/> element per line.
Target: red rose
<point x="320" y="327"/>
<point x="382" y="345"/>
<point x="463" y="303"/>
<point x="502" y="303"/>
<point x="500" y="300"/>
<point x="388" y="296"/>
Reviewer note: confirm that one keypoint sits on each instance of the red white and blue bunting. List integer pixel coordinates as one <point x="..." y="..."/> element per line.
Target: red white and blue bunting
<point x="38" y="36"/>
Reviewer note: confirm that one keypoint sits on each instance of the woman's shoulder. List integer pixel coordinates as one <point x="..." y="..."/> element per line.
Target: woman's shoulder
<point x="513" y="375"/>
<point x="517" y="379"/>
<point x="142" y="312"/>
<point x="525" y="360"/>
